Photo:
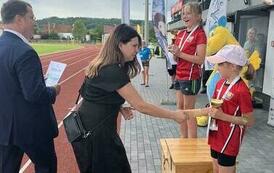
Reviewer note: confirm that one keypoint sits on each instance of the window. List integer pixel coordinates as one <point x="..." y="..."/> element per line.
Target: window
<point x="252" y="35"/>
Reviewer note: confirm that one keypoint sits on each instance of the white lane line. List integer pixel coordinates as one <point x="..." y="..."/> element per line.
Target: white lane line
<point x="71" y="63"/>
<point x="72" y="76"/>
<point x="26" y="165"/>
<point x="45" y="57"/>
<point x="66" y="57"/>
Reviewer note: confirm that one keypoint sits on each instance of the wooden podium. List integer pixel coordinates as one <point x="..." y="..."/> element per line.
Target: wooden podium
<point x="181" y="155"/>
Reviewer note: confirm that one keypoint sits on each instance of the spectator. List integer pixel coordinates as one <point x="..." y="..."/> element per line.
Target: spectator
<point x="250" y="43"/>
<point x="145" y="56"/>
<point x="189" y="50"/>
<point x="172" y="71"/>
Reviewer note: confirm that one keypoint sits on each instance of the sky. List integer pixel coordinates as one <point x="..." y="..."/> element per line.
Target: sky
<point x="89" y="8"/>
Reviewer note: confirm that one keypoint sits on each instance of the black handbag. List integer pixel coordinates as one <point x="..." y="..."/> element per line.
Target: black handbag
<point x="73" y="124"/>
<point x="74" y="127"/>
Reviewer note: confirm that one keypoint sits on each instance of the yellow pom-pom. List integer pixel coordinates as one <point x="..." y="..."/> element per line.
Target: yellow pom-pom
<point x="202" y="121"/>
<point x="255" y="60"/>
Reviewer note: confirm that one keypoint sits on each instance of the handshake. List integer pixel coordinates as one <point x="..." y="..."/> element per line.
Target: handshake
<point x="212" y="111"/>
<point x="179" y="115"/>
<point x="183" y="115"/>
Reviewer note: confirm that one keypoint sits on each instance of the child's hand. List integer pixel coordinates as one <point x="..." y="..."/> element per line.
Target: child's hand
<point x="175" y="50"/>
<point x="215" y="113"/>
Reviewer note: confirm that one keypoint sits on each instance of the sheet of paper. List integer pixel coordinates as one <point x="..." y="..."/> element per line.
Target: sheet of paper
<point x="171" y="59"/>
<point x="54" y="73"/>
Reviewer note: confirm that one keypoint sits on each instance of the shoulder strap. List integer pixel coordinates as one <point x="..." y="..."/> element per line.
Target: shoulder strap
<point x="80" y="90"/>
<point x="78" y="97"/>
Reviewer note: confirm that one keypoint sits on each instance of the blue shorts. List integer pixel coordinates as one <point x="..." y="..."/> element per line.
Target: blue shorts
<point x="188" y="87"/>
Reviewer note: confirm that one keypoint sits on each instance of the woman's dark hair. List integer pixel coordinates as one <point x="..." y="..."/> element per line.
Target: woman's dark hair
<point x="111" y="53"/>
<point x="12" y="8"/>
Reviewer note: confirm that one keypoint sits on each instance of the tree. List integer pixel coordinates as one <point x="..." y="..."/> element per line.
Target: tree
<point x="79" y="30"/>
<point x="152" y="37"/>
<point x="96" y="33"/>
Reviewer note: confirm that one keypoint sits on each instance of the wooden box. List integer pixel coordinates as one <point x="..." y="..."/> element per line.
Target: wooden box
<point x="181" y="155"/>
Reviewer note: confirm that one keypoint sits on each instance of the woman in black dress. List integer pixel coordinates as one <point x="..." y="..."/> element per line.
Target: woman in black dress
<point x="105" y="89"/>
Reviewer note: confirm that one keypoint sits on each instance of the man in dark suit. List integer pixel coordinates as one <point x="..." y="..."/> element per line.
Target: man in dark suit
<point x="27" y="121"/>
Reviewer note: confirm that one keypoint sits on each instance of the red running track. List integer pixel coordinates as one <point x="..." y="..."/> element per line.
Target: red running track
<point x="71" y="81"/>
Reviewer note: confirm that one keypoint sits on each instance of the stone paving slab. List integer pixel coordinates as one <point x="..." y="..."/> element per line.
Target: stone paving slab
<point x="141" y="135"/>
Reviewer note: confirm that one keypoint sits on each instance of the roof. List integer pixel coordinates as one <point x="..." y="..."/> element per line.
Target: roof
<point x="56" y="28"/>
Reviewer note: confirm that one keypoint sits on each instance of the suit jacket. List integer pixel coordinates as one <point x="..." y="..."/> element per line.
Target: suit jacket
<point x="26" y="112"/>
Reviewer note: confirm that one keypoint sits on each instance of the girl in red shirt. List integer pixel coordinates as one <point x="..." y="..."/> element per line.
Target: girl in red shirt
<point x="189" y="50"/>
<point x="235" y="113"/>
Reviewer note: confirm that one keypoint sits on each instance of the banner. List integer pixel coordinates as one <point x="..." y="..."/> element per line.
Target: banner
<point x="159" y="24"/>
<point x="216" y="16"/>
<point x="126" y="11"/>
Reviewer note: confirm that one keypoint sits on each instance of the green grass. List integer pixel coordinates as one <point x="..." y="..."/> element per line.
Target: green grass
<point x="46" y="48"/>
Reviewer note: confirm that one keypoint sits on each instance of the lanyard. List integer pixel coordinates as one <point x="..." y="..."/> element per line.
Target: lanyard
<point x="181" y="46"/>
<point x="229" y="87"/>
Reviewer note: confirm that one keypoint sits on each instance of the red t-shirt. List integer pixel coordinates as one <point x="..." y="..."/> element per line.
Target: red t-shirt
<point x="227" y="139"/>
<point x="187" y="70"/>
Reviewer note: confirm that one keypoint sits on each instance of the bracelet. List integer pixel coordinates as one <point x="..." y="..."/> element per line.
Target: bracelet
<point x="245" y="120"/>
<point x="234" y="120"/>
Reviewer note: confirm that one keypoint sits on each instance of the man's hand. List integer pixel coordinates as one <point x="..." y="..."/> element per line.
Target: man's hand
<point x="57" y="89"/>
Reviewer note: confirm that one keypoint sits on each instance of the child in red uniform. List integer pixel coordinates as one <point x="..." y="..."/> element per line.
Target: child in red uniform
<point x="235" y="113"/>
<point x="189" y="49"/>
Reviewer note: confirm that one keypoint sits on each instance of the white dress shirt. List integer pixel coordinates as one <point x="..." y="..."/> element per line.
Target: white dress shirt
<point x="18" y="34"/>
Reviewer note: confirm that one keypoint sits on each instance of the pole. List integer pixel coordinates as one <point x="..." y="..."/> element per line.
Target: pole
<point x="146" y="21"/>
<point x="125" y="12"/>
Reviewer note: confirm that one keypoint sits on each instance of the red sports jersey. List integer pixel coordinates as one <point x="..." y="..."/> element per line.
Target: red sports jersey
<point x="187" y="70"/>
<point x="227" y="139"/>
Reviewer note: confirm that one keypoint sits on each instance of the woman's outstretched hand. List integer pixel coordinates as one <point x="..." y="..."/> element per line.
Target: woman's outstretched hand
<point x="180" y="116"/>
<point x="183" y="115"/>
<point x="127" y="112"/>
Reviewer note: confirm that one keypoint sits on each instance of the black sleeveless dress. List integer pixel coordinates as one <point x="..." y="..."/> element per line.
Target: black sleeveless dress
<point x="103" y="151"/>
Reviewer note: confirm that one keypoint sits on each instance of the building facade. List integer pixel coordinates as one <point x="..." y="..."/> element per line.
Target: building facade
<point x="243" y="15"/>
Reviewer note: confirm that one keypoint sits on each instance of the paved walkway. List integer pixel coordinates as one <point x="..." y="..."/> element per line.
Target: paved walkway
<point x="141" y="135"/>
